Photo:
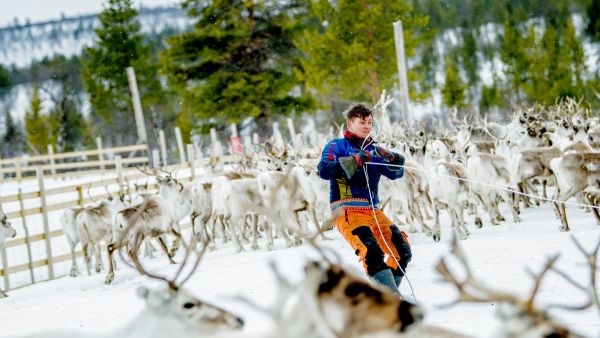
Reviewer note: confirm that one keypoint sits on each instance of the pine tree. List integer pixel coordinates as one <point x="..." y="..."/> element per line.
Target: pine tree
<point x="454" y="88"/>
<point x="37" y="125"/>
<point x="119" y="45"/>
<point x="491" y="97"/>
<point x="571" y="60"/>
<point x="593" y="13"/>
<point x="5" y="81"/>
<point x="513" y="56"/>
<point x="470" y="59"/>
<point x="69" y="129"/>
<point x="13" y="139"/>
<point x="238" y="61"/>
<point x="351" y="54"/>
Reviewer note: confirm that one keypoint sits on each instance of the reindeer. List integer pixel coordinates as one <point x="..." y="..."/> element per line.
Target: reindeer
<point x="336" y="303"/>
<point x="6" y="231"/>
<point x="94" y="224"/>
<point x="574" y="172"/>
<point x="521" y="317"/>
<point x="170" y="311"/>
<point x="233" y="196"/>
<point x="284" y="195"/>
<point x="151" y="219"/>
<point x="69" y="225"/>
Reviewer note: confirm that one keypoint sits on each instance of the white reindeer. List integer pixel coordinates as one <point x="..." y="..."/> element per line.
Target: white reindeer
<point x="6" y="231"/>
<point x="69" y="226"/>
<point x="151" y="219"/>
<point x="94" y="225"/>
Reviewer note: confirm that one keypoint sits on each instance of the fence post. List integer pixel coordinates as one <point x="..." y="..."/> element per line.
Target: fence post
<point x="191" y="160"/>
<point x="155" y="158"/>
<point x="52" y="163"/>
<point x="163" y="148"/>
<point x="24" y="221"/>
<point x="100" y="152"/>
<point x="47" y="239"/>
<point x="180" y="148"/>
<point x="278" y="143"/>
<point x="292" y="131"/>
<point x="18" y="169"/>
<point x="119" y="168"/>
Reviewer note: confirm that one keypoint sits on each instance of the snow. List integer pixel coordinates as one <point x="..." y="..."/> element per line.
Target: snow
<point x="40" y="10"/>
<point x="499" y="255"/>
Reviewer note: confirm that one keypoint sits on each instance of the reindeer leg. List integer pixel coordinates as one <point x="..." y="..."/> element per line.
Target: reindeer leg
<point x="564" y="196"/>
<point x="591" y="201"/>
<point x="544" y="184"/>
<point x="474" y="202"/>
<point x="164" y="248"/>
<point x="2" y="294"/>
<point x="111" y="272"/>
<point x="176" y="242"/>
<point x="511" y="203"/>
<point x="98" y="257"/>
<point x="437" y="231"/>
<point x="255" y="232"/>
<point x="315" y="220"/>
<point x="74" y="269"/>
<point x="232" y="225"/>
<point x="419" y="215"/>
<point x="86" y="257"/>
<point x="269" y="232"/>
<point x="461" y="219"/>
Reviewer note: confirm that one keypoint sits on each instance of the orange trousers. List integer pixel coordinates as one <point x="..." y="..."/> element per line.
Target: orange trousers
<point x="391" y="244"/>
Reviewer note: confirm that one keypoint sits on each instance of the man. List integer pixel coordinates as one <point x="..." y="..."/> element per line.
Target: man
<point x="354" y="203"/>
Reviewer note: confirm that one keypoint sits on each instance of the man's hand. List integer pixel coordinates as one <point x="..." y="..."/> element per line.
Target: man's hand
<point x="350" y="164"/>
<point x="362" y="157"/>
<point x="389" y="156"/>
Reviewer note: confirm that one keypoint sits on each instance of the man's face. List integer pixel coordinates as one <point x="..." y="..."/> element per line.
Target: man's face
<point x="361" y="127"/>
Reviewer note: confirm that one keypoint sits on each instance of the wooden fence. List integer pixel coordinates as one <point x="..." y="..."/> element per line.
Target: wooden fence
<point x="90" y="161"/>
<point x="122" y="182"/>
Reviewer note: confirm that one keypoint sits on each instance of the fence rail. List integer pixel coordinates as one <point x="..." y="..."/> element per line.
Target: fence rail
<point x="77" y="198"/>
<point x="26" y="166"/>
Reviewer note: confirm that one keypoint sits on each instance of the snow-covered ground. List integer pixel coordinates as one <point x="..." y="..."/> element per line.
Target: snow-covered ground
<point x="499" y="256"/>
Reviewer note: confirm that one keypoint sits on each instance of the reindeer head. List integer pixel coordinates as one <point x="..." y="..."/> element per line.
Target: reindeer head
<point x="364" y="308"/>
<point x="6" y="229"/>
<point x="172" y="303"/>
<point x="186" y="309"/>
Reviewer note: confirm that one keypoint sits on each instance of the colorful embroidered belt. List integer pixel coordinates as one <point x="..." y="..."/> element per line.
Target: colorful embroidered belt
<point x="350" y="204"/>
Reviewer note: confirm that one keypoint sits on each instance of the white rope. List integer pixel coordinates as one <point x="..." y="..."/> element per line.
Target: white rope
<point x="487" y="184"/>
<point x="382" y="237"/>
<point x="364" y="167"/>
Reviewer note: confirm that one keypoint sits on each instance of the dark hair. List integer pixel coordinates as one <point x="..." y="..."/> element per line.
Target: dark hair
<point x="360" y="110"/>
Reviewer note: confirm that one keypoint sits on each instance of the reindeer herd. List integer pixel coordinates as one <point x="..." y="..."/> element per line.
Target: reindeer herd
<point x="539" y="155"/>
<point x="481" y="165"/>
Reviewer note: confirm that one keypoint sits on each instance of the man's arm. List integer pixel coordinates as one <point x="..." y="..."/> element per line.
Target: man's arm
<point x="329" y="168"/>
<point x="393" y="171"/>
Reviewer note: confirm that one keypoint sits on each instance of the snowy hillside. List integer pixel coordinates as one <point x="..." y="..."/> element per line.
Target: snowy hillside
<point x="499" y="256"/>
<point x="24" y="44"/>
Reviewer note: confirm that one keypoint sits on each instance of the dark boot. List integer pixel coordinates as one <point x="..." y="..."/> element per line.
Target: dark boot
<point x="398" y="280"/>
<point x="386" y="278"/>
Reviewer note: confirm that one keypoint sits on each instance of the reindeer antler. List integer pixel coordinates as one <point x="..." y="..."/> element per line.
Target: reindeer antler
<point x="145" y="171"/>
<point x="592" y="288"/>
<point x="172" y="282"/>
<point x="90" y="195"/>
<point x="469" y="289"/>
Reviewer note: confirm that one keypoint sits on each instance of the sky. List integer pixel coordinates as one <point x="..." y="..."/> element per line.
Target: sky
<point x="42" y="10"/>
